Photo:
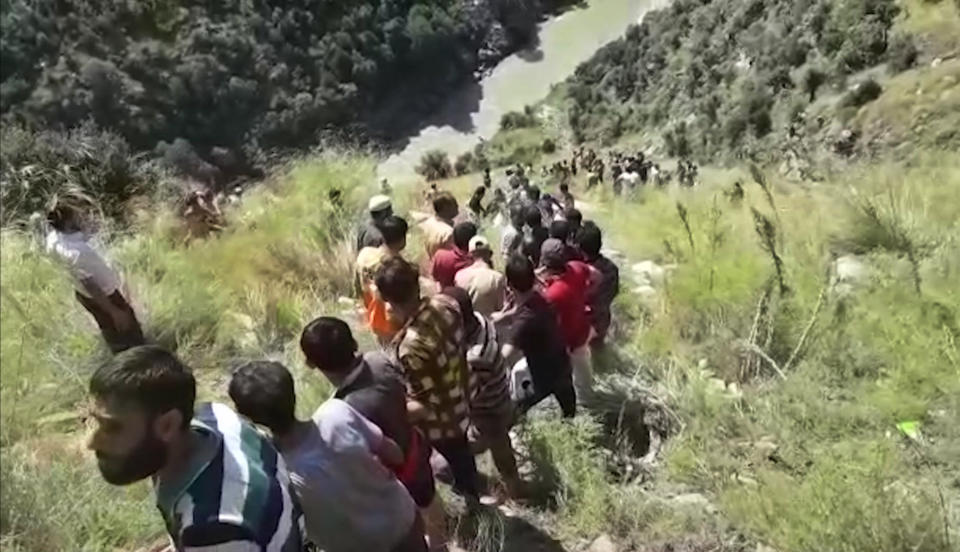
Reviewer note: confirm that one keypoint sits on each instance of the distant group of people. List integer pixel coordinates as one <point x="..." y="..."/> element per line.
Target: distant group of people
<point x="467" y="344"/>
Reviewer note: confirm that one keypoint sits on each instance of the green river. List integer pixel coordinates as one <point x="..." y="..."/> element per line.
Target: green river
<point x="523" y="78"/>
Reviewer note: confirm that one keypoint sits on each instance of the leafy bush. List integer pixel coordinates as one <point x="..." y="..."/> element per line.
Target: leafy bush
<point x="726" y="61"/>
<point x="902" y="54"/>
<point x="548" y="146"/>
<point x="515" y="119"/>
<point x="96" y="163"/>
<point x="263" y="74"/>
<point x="862" y="93"/>
<point x="435" y="165"/>
<point x="465" y="163"/>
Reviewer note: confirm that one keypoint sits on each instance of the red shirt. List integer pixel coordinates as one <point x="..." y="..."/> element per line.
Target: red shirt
<point x="567" y="293"/>
<point x="447" y="262"/>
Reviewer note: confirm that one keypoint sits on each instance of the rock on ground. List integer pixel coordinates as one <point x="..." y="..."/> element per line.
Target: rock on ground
<point x="603" y="543"/>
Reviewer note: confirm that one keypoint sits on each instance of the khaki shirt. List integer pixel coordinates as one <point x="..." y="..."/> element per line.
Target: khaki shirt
<point x="436" y="235"/>
<point x="486" y="287"/>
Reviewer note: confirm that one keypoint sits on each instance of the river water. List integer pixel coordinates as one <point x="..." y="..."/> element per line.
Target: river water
<point x="474" y="111"/>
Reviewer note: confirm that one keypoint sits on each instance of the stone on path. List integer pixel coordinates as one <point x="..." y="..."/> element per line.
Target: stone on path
<point x="603" y="543"/>
<point x="648" y="273"/>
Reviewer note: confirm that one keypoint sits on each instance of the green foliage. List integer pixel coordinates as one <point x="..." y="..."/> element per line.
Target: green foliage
<point x="515" y="119"/>
<point x="435" y="165"/>
<point x="87" y="160"/>
<point x="863" y="92"/>
<point x="263" y="74"/>
<point x="465" y="163"/>
<point x="724" y="68"/>
<point x="902" y="54"/>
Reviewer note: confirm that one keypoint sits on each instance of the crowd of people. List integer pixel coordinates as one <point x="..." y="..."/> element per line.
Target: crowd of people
<point x="466" y="346"/>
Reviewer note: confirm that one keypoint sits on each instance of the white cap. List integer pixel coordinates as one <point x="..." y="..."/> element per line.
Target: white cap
<point x="378" y="203"/>
<point x="478" y="242"/>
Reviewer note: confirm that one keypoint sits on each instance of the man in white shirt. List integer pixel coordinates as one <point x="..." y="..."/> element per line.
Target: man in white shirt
<point x="351" y="500"/>
<point x="97" y="285"/>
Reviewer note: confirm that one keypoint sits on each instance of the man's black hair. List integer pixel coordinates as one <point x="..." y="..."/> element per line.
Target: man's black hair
<point x="590" y="239"/>
<point x="462" y="233"/>
<point x="263" y="392"/>
<point x="573" y="216"/>
<point x="328" y="343"/>
<point x="560" y="229"/>
<point x="519" y="272"/>
<point x="149" y="376"/>
<point x="393" y="229"/>
<point x="564" y="187"/>
<point x="533" y="193"/>
<point x="463" y="300"/>
<point x="443" y="201"/>
<point x="532" y="216"/>
<point x="398" y="281"/>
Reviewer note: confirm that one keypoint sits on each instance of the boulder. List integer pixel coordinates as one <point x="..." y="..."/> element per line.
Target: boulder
<point x="603" y="543"/>
<point x="648" y="273"/>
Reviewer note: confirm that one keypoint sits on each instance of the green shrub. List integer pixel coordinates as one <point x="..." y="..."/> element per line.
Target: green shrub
<point x="862" y="93"/>
<point x="515" y="119"/>
<point x="465" y="163"/>
<point x="435" y="165"/>
<point x="902" y="53"/>
<point x="548" y="146"/>
<point x="35" y="166"/>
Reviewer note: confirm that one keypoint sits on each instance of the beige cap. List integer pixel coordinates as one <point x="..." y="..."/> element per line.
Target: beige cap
<point x="378" y="203"/>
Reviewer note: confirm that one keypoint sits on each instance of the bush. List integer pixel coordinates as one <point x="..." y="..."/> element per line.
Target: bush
<point x="902" y="53"/>
<point x="86" y="160"/>
<point x="862" y="93"/>
<point x="435" y="165"/>
<point x="465" y="163"/>
<point x="548" y="146"/>
<point x="515" y="119"/>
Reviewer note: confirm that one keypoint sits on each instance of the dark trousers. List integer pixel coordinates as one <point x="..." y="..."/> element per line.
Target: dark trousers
<point x="456" y="451"/>
<point x="118" y="340"/>
<point x="562" y="389"/>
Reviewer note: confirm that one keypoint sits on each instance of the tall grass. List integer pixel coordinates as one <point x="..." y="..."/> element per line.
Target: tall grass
<point x="284" y="259"/>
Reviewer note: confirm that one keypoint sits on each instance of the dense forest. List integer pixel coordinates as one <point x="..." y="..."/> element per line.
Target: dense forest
<point x="259" y="74"/>
<point x="713" y="77"/>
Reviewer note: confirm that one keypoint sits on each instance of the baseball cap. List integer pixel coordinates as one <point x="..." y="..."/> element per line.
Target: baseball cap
<point x="478" y="242"/>
<point x="378" y="203"/>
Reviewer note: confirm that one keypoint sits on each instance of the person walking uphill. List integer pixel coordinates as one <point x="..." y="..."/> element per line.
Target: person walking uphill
<point x="369" y="233"/>
<point x="338" y="466"/>
<point x="97" y="284"/>
<point x="430" y="350"/>
<point x="450" y="259"/>
<point x="219" y="484"/>
<point x="372" y="385"/>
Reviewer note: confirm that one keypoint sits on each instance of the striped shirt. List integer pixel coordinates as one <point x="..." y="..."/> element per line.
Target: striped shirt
<point x="430" y="350"/>
<point x="489" y="387"/>
<point x="235" y="493"/>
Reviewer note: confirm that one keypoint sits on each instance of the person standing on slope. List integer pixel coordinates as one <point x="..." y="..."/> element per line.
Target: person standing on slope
<point x="369" y="233"/>
<point x="451" y="259"/>
<point x="438" y="229"/>
<point x="535" y="336"/>
<point x="486" y="287"/>
<point x="339" y="466"/>
<point x="219" y="484"/>
<point x="429" y="348"/>
<point x="97" y="284"/>
<point x="372" y="384"/>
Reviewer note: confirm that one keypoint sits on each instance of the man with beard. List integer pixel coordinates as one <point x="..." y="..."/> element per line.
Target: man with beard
<point x="219" y="484"/>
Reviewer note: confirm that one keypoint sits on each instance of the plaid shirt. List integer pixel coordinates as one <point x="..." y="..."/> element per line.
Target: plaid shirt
<point x="430" y="347"/>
